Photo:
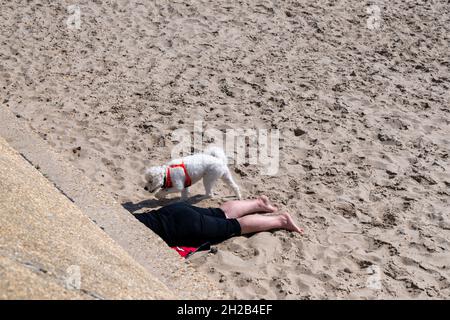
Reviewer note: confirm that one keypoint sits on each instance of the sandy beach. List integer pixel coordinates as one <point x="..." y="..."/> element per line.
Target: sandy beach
<point x="359" y="93"/>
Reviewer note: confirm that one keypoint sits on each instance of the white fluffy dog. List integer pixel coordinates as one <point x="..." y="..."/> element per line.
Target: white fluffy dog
<point x="178" y="174"/>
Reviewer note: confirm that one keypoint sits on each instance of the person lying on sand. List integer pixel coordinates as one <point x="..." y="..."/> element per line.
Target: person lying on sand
<point x="182" y="224"/>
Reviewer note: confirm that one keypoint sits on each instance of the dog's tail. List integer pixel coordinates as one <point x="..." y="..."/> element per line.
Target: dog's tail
<point x="217" y="153"/>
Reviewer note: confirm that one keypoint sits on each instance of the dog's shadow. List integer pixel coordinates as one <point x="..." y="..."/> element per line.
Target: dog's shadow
<point x="154" y="203"/>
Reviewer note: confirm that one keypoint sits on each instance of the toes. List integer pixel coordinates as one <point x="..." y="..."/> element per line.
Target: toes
<point x="291" y="224"/>
<point x="267" y="204"/>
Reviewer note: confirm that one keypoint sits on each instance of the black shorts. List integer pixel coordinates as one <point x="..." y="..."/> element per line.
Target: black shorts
<point x="181" y="224"/>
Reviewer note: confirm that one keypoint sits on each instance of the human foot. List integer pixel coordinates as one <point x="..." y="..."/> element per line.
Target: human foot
<point x="289" y="224"/>
<point x="265" y="205"/>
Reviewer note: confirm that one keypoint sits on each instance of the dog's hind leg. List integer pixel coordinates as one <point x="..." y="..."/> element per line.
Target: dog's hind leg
<point x="228" y="179"/>
<point x="209" y="181"/>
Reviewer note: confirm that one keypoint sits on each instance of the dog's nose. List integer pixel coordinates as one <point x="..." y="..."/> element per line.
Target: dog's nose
<point x="146" y="188"/>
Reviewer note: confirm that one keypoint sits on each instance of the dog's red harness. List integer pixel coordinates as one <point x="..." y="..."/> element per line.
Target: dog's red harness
<point x="168" y="180"/>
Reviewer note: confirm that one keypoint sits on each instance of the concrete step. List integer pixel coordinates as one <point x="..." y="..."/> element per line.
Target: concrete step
<point x="138" y="241"/>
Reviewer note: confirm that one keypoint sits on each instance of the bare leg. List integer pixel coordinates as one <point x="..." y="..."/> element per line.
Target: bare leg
<point x="239" y="208"/>
<point x="257" y="223"/>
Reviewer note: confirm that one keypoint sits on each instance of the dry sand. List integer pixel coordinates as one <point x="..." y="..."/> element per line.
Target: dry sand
<point x="363" y="114"/>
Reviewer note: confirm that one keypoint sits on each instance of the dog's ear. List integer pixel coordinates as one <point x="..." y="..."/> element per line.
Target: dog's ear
<point x="153" y="172"/>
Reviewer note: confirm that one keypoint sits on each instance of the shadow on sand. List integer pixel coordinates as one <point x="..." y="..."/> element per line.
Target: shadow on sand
<point x="155" y="203"/>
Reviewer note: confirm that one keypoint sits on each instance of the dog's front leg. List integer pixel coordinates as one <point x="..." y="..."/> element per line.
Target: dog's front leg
<point x="161" y="194"/>
<point x="184" y="194"/>
<point x="179" y="187"/>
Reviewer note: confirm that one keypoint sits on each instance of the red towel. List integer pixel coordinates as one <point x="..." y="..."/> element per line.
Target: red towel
<point x="184" y="251"/>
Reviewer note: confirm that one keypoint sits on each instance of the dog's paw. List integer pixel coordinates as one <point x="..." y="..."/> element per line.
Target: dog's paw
<point x="160" y="196"/>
